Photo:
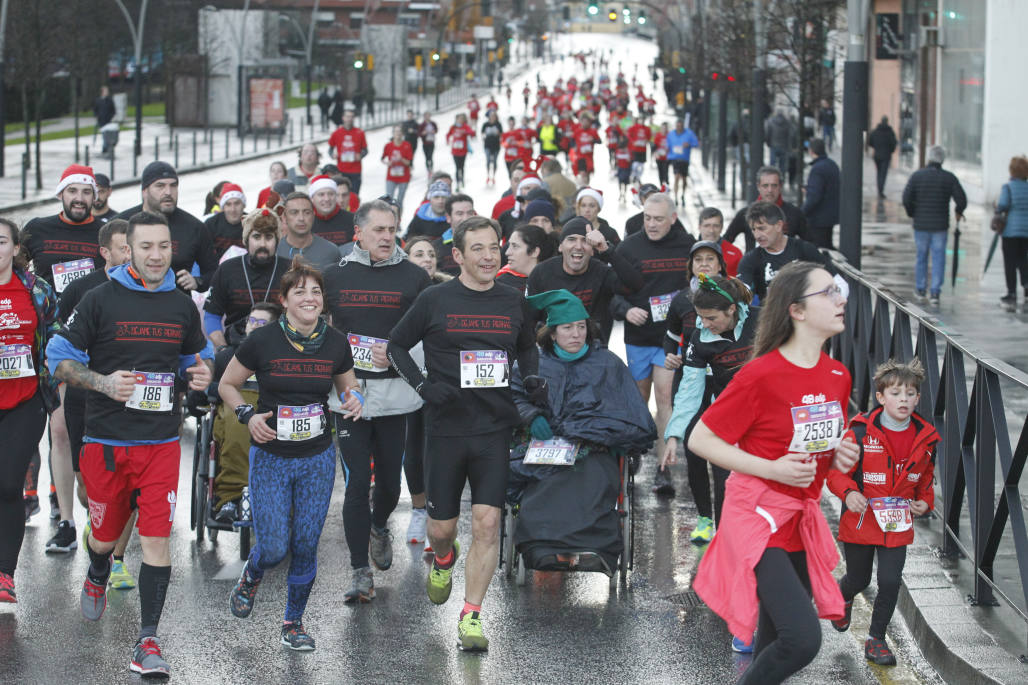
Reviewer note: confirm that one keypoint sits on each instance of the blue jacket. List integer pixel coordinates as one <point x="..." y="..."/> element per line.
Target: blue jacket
<point x="1013" y="198"/>
<point x="822" y="204"/>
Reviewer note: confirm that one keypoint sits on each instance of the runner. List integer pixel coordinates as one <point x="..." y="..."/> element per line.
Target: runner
<point x="349" y="146"/>
<point x="712" y="221"/>
<point x="307" y="165"/>
<point x="660" y="152"/>
<point x="366" y="294"/>
<point x="492" y="133"/>
<point x="591" y="269"/>
<point x="662" y="255"/>
<point x="398" y="156"/>
<point x="680" y="143"/>
<point x="428" y="131"/>
<point x="28" y="319"/>
<point x="101" y="210"/>
<point x="762" y="427"/>
<point x="584" y="139"/>
<point x="472" y="331"/>
<point x="473" y="109"/>
<point x="298" y="240"/>
<point x="528" y="245"/>
<point x="190" y="239"/>
<point x="331" y="221"/>
<point x="410" y="131"/>
<point x="226" y="227"/>
<point x="132" y="416"/>
<point x="241" y="282"/>
<point x="588" y="204"/>
<point x="298" y="362"/>
<point x="458" y="138"/>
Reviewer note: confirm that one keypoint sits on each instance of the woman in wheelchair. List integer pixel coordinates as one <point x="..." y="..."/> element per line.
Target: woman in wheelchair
<point x="565" y="478"/>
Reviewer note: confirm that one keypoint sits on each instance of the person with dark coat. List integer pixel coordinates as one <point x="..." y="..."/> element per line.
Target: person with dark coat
<point x="338" y="105"/>
<point x="103" y="108"/>
<point x="779" y="134"/>
<point x="926" y="199"/>
<point x="324" y="103"/>
<point x="821" y="206"/>
<point x="883" y="143"/>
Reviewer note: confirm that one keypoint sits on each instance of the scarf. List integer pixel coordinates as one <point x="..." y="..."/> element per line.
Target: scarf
<point x="305" y="344"/>
<point x="566" y="356"/>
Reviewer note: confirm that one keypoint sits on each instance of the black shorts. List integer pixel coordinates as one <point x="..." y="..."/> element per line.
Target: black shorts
<point x="639" y="157"/>
<point x="75" y="418"/>
<point x="681" y="167"/>
<point x="624" y="175"/>
<point x="451" y="460"/>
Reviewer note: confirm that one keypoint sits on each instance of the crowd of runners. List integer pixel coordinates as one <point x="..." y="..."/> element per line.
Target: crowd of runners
<point x="318" y="327"/>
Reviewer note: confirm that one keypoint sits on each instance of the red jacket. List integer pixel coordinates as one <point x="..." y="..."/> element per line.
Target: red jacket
<point x="880" y="474"/>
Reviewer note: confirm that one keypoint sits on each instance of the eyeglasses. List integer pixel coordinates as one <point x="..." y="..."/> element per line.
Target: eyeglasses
<point x="833" y="292"/>
<point x="255" y="322"/>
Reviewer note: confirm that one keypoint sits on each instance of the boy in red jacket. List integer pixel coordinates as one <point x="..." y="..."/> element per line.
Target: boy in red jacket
<point x="891" y="481"/>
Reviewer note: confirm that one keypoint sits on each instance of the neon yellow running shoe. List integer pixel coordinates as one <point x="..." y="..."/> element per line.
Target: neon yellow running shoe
<point x="470" y="637"/>
<point x="440" y="580"/>
<point x="703" y="531"/>
<point x="120" y="578"/>
<point x="85" y="534"/>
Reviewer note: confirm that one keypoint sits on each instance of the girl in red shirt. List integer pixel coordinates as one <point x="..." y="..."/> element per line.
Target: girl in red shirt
<point x="778" y="427"/>
<point x="459" y="137"/>
<point x="398" y="158"/>
<point x="660" y="150"/>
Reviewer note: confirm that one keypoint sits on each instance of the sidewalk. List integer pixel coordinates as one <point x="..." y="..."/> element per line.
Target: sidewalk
<point x="965" y="643"/>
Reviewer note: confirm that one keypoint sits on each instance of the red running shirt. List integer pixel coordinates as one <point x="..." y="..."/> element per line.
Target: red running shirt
<point x="756" y="412"/>
<point x="348" y="145"/>
<point x="458" y="137"/>
<point x="396" y="170"/>
<point x="17" y="328"/>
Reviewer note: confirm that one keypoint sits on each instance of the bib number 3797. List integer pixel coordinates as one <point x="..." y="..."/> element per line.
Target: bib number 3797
<point x="484" y="369"/>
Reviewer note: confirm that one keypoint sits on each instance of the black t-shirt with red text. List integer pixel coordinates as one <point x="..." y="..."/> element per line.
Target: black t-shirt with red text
<point x="54" y="241"/>
<point x="663" y="264"/>
<point x="224" y="234"/>
<point x="337" y="228"/>
<point x="191" y="243"/>
<point x="237" y="286"/>
<point x="294" y="387"/>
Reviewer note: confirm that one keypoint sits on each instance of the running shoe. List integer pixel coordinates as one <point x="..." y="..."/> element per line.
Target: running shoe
<point x="120" y="578"/>
<point x="55" y="508"/>
<point x="65" y="540"/>
<point x="662" y="484"/>
<point x="417" y="528"/>
<point x="93" y="599"/>
<point x="877" y="651"/>
<point x="381" y="548"/>
<point x="243" y="594"/>
<point x="363" y="590"/>
<point x="31" y="506"/>
<point x="843" y="624"/>
<point x="7" y="593"/>
<point x="85" y="534"/>
<point x="147" y="659"/>
<point x="703" y="531"/>
<point x="296" y="638"/>
<point x="741" y="647"/>
<point x="470" y="637"/>
<point x="440" y="580"/>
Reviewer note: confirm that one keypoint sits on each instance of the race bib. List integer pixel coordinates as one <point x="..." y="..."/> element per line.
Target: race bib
<point x="587" y="149"/>
<point x="458" y="145"/>
<point x="892" y="513"/>
<point x="429" y="137"/>
<point x="153" y="392"/>
<point x="555" y="452"/>
<point x="659" y="304"/>
<point x="348" y="157"/>
<point x="816" y="427"/>
<point x="484" y="369"/>
<point x="360" y="348"/>
<point x="66" y="272"/>
<point x="16" y="362"/>
<point x="678" y="149"/>
<point x="396" y="170"/>
<point x="296" y="424"/>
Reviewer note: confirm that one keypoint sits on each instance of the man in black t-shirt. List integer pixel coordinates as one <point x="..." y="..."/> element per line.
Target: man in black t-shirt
<point x="241" y="282"/>
<point x="366" y="294"/>
<point x="127" y="342"/>
<point x="191" y="243"/>
<point x="226" y="226"/>
<point x="472" y="329"/>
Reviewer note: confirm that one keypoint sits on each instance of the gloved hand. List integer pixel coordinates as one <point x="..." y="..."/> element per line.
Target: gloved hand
<point x="439" y="393"/>
<point x="540" y="428"/>
<point x="537" y="389"/>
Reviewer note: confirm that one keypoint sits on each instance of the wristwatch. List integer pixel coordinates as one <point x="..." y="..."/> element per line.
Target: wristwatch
<point x="244" y="412"/>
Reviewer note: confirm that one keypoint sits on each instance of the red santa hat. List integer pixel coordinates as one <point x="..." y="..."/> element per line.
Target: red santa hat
<point x="76" y="173"/>
<point x="321" y="183"/>
<point x="230" y="191"/>
<point x="529" y="181"/>
<point x="594" y="193"/>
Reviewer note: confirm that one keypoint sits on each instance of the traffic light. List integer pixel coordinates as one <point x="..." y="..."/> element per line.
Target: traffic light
<point x="641" y="18"/>
<point x="435" y="56"/>
<point x="418" y="62"/>
<point x="612" y="14"/>
<point x="681" y="70"/>
<point x="358" y="61"/>
<point x="593" y="9"/>
<point x="370" y="62"/>
<point x="714" y="76"/>
<point x="566" y="13"/>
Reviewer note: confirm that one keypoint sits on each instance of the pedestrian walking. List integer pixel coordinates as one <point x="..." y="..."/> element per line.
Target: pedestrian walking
<point x="821" y="206"/>
<point x="826" y="120"/>
<point x="926" y="199"/>
<point x="1013" y="199"/>
<point x="324" y="103"/>
<point x="778" y="131"/>
<point x="883" y="143"/>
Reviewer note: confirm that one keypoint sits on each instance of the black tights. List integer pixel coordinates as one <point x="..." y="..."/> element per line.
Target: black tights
<point x="699" y="477"/>
<point x="788" y="632"/>
<point x="1015" y="260"/>
<point x="22" y="427"/>
<point x="458" y="162"/>
<point x="414" y="454"/>
<point x="859" y="559"/>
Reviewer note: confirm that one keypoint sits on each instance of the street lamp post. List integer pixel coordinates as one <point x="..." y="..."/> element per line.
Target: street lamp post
<point x="308" y="44"/>
<point x="757" y="110"/>
<point x="3" y="119"/>
<point x="854" y="123"/>
<point x="137" y="41"/>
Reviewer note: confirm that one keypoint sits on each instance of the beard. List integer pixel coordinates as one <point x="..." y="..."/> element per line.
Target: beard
<point x="77" y="211"/>
<point x="262" y="257"/>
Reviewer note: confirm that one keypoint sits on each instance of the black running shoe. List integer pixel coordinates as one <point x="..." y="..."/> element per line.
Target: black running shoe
<point x="65" y="540"/>
<point x="31" y="506"/>
<point x="662" y="484"/>
<point x="877" y="651"/>
<point x="843" y="624"/>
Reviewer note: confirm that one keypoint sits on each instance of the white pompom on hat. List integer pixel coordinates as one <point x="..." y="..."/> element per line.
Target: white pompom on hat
<point x="230" y="191"/>
<point x="76" y="173"/>
<point x="321" y="183"/>
<point x="594" y="193"/>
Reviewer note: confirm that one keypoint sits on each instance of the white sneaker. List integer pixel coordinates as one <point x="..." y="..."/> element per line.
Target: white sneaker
<point x="416" y="532"/>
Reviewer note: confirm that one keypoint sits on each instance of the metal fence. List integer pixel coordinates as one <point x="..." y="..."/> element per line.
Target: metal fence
<point x="963" y="395"/>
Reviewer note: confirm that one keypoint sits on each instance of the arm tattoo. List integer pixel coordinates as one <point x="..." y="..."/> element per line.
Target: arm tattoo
<point x="78" y="375"/>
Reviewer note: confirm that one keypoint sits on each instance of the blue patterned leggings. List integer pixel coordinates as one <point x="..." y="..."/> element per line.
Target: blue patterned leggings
<point x="289" y="499"/>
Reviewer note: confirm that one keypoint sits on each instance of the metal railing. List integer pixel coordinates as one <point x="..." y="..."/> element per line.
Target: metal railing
<point x="975" y="435"/>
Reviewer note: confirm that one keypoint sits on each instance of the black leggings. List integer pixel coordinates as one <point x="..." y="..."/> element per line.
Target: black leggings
<point x="662" y="167"/>
<point x="429" y="150"/>
<point x="383" y="436"/>
<point x="1015" y="260"/>
<point x="859" y="559"/>
<point x="414" y="455"/>
<point x="699" y="478"/>
<point x="458" y="162"/>
<point x="22" y="427"/>
<point x="788" y="631"/>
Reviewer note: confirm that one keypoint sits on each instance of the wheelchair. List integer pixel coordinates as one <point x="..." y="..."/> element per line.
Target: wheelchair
<point x="205" y="470"/>
<point x="516" y="564"/>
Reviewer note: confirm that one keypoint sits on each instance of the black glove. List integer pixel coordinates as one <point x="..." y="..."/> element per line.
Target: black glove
<point x="537" y="389"/>
<point x="439" y="393"/>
